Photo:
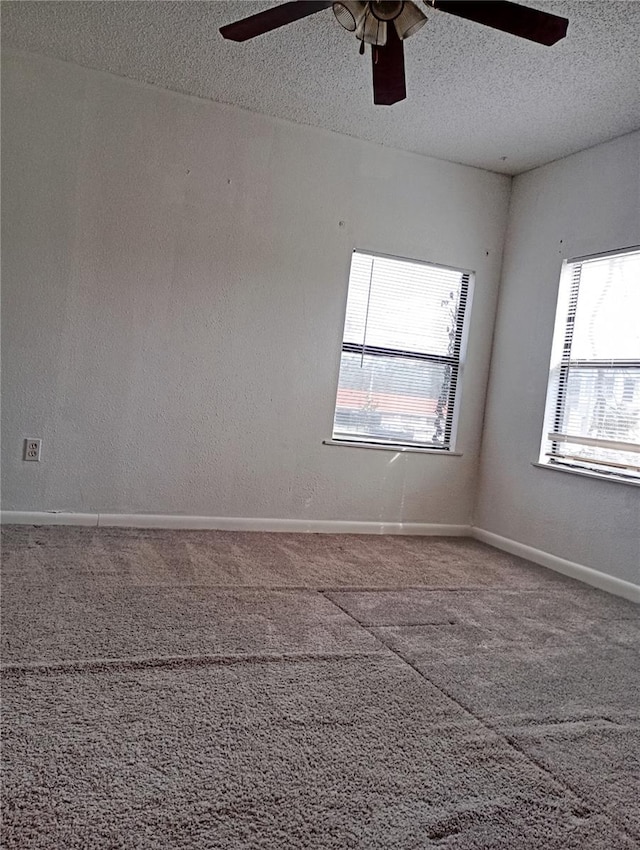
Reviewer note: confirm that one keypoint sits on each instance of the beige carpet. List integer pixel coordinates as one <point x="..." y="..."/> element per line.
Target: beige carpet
<point x="225" y="690"/>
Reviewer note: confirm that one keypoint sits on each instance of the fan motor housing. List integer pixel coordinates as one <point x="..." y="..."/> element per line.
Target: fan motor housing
<point x="386" y="10"/>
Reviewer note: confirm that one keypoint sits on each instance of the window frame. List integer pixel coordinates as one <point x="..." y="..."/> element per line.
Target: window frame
<point x="551" y="456"/>
<point x="456" y="361"/>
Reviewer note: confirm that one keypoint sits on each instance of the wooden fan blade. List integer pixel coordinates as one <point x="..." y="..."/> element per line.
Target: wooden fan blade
<point x="541" y="27"/>
<point x="271" y="19"/>
<point x="389" y="85"/>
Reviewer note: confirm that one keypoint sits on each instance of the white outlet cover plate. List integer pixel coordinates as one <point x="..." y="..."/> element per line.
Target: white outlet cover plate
<point x="32" y="448"/>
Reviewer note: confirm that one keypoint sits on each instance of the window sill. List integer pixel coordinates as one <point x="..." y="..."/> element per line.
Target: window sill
<point x="587" y="473"/>
<point x="353" y="444"/>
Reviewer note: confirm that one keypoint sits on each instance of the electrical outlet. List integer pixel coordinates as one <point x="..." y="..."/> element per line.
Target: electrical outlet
<point x="32" y="447"/>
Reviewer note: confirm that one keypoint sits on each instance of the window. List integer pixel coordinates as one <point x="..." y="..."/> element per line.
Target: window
<point x="592" y="418"/>
<point x="401" y="353"/>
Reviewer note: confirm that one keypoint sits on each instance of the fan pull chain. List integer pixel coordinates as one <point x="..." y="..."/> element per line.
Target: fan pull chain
<point x="361" y="48"/>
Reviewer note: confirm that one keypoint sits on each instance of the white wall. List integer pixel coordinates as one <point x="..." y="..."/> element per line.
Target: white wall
<point x="584" y="204"/>
<point x="174" y="283"/>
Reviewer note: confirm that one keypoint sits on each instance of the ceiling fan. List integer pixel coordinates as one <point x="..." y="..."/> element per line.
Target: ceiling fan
<point x="385" y="24"/>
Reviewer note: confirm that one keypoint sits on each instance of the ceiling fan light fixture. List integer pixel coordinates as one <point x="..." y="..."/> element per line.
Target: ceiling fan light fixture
<point x="372" y="30"/>
<point x="369" y="20"/>
<point x="409" y="21"/>
<point x="349" y="13"/>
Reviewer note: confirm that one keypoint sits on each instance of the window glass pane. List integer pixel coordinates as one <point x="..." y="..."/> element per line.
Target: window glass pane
<point x="392" y="399"/>
<point x="603" y="403"/>
<point x="402" y="305"/>
<point x="607" y="323"/>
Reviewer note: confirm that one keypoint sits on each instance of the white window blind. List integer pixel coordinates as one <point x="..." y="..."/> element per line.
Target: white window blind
<point x="593" y="403"/>
<point x="401" y="353"/>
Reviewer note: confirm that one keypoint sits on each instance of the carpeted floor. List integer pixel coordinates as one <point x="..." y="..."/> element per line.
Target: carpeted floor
<point x="196" y="690"/>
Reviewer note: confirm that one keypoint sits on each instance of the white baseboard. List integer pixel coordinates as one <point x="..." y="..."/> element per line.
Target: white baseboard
<point x="46" y="518"/>
<point x="603" y="581"/>
<point x="314" y="526"/>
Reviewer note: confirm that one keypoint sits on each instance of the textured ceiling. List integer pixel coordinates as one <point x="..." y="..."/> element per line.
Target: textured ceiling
<point x="475" y="95"/>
